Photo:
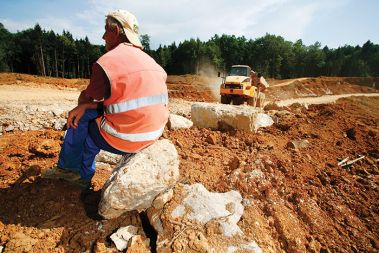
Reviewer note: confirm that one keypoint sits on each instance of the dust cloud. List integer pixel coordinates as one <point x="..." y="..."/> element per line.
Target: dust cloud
<point x="210" y="75"/>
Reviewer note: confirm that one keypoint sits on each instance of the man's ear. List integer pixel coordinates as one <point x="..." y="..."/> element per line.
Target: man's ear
<point x="118" y="30"/>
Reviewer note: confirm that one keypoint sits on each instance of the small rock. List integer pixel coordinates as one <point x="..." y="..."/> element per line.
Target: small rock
<point x="59" y="124"/>
<point x="178" y="122"/>
<point x="211" y="140"/>
<point x="163" y="198"/>
<point x="263" y="120"/>
<point x="297" y="144"/>
<point x="107" y="157"/>
<point x="123" y="235"/>
<point x="9" y="128"/>
<point x="246" y="202"/>
<point x="139" y="244"/>
<point x="155" y="220"/>
<point x="198" y="242"/>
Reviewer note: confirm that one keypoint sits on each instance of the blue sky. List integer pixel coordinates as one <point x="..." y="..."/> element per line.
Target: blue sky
<point x="331" y="22"/>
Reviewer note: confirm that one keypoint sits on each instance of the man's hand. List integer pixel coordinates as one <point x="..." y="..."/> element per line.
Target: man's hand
<point x="75" y="115"/>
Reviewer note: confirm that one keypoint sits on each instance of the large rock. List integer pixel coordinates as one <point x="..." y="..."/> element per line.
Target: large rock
<point x="135" y="183"/>
<point x="196" y="220"/>
<point x="203" y="206"/>
<point x="220" y="116"/>
<point x="178" y="122"/>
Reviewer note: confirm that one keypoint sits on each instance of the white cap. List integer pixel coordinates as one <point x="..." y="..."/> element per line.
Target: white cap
<point x="129" y="23"/>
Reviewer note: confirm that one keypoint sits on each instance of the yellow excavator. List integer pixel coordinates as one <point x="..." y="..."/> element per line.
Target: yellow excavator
<point x="243" y="85"/>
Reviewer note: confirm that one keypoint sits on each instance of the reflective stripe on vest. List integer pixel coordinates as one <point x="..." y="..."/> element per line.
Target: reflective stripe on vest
<point x="136" y="103"/>
<point x="148" y="136"/>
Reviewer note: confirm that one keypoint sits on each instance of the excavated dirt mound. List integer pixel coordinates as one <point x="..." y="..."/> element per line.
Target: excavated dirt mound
<point x="298" y="198"/>
<point x="193" y="88"/>
<point x="313" y="87"/>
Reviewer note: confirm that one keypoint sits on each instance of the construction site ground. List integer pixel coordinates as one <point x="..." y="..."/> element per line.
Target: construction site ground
<point x="300" y="198"/>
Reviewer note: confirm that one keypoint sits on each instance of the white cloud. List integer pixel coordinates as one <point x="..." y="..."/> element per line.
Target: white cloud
<point x="169" y="21"/>
<point x="14" y="25"/>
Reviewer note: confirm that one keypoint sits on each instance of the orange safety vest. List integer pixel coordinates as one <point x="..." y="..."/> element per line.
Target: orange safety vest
<point x="136" y="112"/>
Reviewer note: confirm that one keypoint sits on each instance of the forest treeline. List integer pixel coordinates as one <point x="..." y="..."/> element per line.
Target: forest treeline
<point x="36" y="51"/>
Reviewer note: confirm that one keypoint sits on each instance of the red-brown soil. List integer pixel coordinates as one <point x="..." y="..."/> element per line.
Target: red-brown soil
<point x="301" y="199"/>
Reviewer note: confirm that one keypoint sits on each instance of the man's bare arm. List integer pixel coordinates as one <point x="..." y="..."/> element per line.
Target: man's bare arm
<point x="83" y="98"/>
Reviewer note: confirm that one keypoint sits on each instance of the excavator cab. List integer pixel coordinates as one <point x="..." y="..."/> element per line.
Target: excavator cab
<point x="242" y="85"/>
<point x="239" y="70"/>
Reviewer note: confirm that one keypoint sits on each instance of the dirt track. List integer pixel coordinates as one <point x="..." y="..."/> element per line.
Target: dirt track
<point x="13" y="93"/>
<point x="322" y="99"/>
<point x="301" y="199"/>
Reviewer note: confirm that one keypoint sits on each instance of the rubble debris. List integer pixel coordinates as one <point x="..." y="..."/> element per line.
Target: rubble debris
<point x="346" y="162"/>
<point x="135" y="184"/>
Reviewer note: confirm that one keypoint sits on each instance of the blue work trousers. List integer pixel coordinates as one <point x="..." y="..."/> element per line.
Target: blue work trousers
<point x="82" y="144"/>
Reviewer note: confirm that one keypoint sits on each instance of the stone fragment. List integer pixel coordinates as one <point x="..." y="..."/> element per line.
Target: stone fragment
<point x="107" y="157"/>
<point x="297" y="144"/>
<point x="123" y="235"/>
<point x="263" y="120"/>
<point x="155" y="220"/>
<point x="211" y="139"/>
<point x="140" y="244"/>
<point x="59" y="124"/>
<point x="9" y="128"/>
<point x="135" y="184"/>
<point x="163" y="198"/>
<point x="198" y="242"/>
<point x="178" y="122"/>
<point x="220" y="116"/>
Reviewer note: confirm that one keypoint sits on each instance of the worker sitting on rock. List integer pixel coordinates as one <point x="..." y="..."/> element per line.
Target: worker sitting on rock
<point x="124" y="108"/>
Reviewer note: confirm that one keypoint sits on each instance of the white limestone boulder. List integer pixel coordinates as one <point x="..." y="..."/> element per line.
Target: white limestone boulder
<point x="177" y="122"/>
<point x="203" y="206"/>
<point x="221" y="116"/>
<point x="135" y="183"/>
<point x="196" y="220"/>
